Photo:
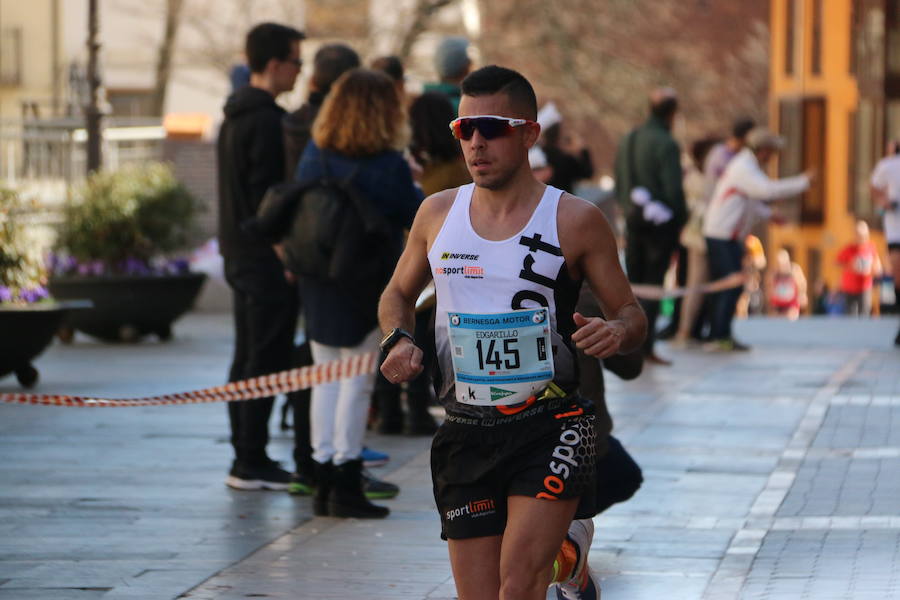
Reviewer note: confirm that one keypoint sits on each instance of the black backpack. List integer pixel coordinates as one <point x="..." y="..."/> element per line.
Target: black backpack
<point x="330" y="232"/>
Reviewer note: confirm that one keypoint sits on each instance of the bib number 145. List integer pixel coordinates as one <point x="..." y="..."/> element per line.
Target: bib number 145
<point x="507" y="358"/>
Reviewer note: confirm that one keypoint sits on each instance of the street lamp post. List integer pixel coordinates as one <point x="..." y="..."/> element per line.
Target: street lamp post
<point x="92" y="110"/>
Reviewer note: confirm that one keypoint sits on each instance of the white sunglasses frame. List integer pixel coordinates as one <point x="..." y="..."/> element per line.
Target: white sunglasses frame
<point x="510" y="120"/>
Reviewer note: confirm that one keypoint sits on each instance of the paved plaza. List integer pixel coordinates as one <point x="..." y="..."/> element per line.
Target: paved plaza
<point x="768" y="474"/>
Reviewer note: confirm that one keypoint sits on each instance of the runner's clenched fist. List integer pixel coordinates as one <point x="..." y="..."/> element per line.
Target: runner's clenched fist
<point x="598" y="337"/>
<point x="403" y="362"/>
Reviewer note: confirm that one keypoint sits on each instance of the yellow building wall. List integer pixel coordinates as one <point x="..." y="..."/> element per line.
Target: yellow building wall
<point x="35" y="18"/>
<point x="836" y="84"/>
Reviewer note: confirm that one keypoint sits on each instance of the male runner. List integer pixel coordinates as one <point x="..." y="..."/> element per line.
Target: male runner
<point x="507" y="255"/>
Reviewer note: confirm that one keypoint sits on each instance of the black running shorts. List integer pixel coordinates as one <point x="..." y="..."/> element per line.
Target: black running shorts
<point x="548" y="452"/>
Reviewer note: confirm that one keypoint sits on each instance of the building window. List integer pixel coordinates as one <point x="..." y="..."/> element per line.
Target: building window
<point x="892" y="33"/>
<point x="867" y="146"/>
<point x="131" y="102"/>
<point x="789" y="37"/>
<point x="854" y="32"/>
<point x="892" y="119"/>
<point x="817" y="38"/>
<point x="11" y="56"/>
<point x="814" y="145"/>
<point x="802" y="123"/>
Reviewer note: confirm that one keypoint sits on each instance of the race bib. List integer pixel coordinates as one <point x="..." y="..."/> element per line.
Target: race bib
<point x="863" y="264"/>
<point x="501" y="359"/>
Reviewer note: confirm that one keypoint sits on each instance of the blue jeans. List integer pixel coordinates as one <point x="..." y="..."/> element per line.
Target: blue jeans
<point x="725" y="257"/>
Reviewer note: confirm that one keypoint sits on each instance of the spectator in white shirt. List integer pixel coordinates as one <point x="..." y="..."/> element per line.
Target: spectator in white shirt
<point x="739" y="199"/>
<point x="886" y="193"/>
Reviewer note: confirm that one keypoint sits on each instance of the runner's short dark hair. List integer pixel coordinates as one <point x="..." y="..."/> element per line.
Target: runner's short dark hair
<point x="267" y="41"/>
<point x="493" y="79"/>
<point x="330" y="62"/>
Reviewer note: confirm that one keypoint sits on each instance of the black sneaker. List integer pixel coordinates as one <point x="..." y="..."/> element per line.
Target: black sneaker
<point x="266" y="476"/>
<point x="736" y="346"/>
<point x="376" y="489"/>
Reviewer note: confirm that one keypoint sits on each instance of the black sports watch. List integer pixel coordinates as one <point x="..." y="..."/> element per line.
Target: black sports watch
<point x="393" y="337"/>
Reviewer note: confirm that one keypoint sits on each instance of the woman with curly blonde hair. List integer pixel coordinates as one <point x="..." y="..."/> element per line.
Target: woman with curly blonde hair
<point x="361" y="116"/>
<point x="358" y="136"/>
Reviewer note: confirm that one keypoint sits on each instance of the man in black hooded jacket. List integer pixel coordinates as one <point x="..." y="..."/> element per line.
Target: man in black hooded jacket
<point x="251" y="159"/>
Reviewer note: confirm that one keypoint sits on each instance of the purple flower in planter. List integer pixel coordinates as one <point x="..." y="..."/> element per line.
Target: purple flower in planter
<point x="5" y="294"/>
<point x="96" y="267"/>
<point x="134" y="266"/>
<point x="53" y="262"/>
<point x="177" y="266"/>
<point x="83" y="268"/>
<point x="34" y="294"/>
<point x="69" y="265"/>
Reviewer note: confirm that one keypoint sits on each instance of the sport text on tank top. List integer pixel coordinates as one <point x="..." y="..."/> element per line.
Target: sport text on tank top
<point x="504" y="312"/>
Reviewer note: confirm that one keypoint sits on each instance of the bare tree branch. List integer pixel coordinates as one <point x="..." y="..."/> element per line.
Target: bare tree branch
<point x="164" y="55"/>
<point x="422" y="14"/>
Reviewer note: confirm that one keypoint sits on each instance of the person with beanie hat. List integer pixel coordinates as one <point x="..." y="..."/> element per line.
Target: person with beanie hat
<point x="452" y="63"/>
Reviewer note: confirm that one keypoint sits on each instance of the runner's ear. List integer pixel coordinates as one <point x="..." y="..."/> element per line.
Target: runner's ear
<point x="532" y="133"/>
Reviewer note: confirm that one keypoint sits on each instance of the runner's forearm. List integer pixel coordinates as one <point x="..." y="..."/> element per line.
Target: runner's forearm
<point x="632" y="317"/>
<point x="395" y="310"/>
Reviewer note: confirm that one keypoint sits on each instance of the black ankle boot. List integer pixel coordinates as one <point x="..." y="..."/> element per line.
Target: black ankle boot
<point x="324" y="484"/>
<point x="347" y="498"/>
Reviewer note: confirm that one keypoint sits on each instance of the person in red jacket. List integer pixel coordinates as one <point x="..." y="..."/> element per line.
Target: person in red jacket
<point x="861" y="265"/>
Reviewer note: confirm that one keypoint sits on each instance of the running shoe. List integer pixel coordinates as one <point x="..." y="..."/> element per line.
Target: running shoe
<point x="301" y="484"/>
<point x="726" y="345"/>
<point x="265" y="476"/>
<point x="376" y="489"/>
<point x="583" y="585"/>
<point x="373" y="458"/>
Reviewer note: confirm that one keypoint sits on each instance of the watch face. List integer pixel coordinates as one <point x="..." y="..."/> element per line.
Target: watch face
<point x="391" y="338"/>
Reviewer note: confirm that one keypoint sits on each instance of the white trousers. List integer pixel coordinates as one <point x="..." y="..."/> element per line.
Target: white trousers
<point x="340" y="408"/>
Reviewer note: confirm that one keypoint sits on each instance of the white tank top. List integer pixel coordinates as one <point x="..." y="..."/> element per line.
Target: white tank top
<point x="475" y="275"/>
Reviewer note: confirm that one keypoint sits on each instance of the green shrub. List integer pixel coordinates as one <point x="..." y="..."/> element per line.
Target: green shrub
<point x="137" y="213"/>
<point x="22" y="272"/>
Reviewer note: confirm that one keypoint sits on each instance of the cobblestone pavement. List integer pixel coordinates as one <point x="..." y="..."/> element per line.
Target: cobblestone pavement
<point x="770" y="474"/>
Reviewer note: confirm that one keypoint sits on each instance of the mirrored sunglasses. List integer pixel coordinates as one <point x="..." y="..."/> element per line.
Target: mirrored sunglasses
<point x="489" y="126"/>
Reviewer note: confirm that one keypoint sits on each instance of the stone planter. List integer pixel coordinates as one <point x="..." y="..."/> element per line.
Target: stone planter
<point x="27" y="331"/>
<point x="127" y="307"/>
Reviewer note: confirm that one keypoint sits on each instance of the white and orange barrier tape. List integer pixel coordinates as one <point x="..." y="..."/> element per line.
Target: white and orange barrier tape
<point x="305" y="377"/>
<point x="658" y="292"/>
<point x="258" y="387"/>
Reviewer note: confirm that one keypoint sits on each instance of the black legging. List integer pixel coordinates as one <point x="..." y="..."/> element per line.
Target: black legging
<point x="647" y="257"/>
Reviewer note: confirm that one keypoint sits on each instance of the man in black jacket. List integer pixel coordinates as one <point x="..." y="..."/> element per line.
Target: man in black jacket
<point x="250" y="160"/>
<point x="649" y="189"/>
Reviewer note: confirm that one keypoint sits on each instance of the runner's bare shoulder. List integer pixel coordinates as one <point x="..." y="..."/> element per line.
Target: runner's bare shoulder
<point x="579" y="220"/>
<point x="433" y="211"/>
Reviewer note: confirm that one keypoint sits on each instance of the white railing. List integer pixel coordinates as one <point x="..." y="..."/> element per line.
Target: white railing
<point x="41" y="152"/>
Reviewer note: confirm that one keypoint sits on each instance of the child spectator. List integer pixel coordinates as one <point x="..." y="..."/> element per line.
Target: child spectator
<point x="787" y="287"/>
